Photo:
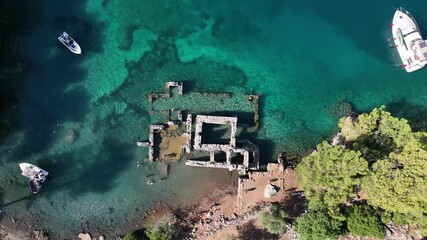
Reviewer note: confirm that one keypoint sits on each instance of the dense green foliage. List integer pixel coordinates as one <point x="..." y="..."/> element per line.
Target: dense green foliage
<point x="398" y="184"/>
<point x="319" y="225"/>
<point x="382" y="162"/>
<point x="364" y="221"/>
<point x="131" y="236"/>
<point x="378" y="123"/>
<point x="274" y="219"/>
<point x="331" y="176"/>
<point x="165" y="231"/>
<point x="375" y="134"/>
<point x="230" y="237"/>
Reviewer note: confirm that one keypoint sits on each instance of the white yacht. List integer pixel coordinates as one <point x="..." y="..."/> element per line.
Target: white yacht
<point x="70" y="43"/>
<point x="408" y="41"/>
<point x="36" y="176"/>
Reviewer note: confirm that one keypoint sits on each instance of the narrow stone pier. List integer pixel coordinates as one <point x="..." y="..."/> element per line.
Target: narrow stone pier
<point x="153" y="129"/>
<point x="188" y="133"/>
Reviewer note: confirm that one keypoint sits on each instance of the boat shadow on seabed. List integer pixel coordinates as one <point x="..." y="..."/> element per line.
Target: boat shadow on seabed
<point x="33" y="196"/>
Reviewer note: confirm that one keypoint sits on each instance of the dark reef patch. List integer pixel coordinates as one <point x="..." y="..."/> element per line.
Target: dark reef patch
<point x="341" y="108"/>
<point x="234" y="27"/>
<point x="127" y="40"/>
<point x="162" y="64"/>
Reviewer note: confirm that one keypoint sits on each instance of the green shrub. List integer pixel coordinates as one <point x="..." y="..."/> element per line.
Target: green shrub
<point x="384" y="158"/>
<point x="131" y="236"/>
<point x="274" y="219"/>
<point x="331" y="175"/>
<point x="364" y="221"/>
<point x="315" y="225"/>
<point x="230" y="237"/>
<point x="164" y="231"/>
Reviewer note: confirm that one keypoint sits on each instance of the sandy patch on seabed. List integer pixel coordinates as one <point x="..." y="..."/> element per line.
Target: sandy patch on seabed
<point x="8" y="233"/>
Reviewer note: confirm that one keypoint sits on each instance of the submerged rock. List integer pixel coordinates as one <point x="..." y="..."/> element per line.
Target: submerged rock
<point x="70" y="137"/>
<point x="342" y="108"/>
<point x="40" y="235"/>
<point x="84" y="236"/>
<point x="336" y="140"/>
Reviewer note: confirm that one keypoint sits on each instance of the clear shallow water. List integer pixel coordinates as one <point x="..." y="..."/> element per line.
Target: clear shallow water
<point x="305" y="57"/>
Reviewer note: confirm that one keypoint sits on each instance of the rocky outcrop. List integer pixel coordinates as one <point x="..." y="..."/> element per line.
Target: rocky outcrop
<point x="70" y="137"/>
<point x="84" y="236"/>
<point x="270" y="191"/>
<point x="40" y="235"/>
<point x="337" y="140"/>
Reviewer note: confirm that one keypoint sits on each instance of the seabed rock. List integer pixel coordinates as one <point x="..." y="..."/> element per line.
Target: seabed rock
<point x="70" y="137"/>
<point x="84" y="236"/>
<point x="270" y="191"/>
<point x="40" y="235"/>
<point x="341" y="108"/>
<point x="336" y="140"/>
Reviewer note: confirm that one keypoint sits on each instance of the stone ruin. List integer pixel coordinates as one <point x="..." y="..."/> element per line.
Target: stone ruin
<point x="248" y="150"/>
<point x="252" y="183"/>
<point x="243" y="149"/>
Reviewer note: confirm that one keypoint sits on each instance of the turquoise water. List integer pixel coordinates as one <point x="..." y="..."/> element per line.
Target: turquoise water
<point x="311" y="60"/>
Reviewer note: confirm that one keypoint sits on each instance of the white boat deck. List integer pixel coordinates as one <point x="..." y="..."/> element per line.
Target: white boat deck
<point x="70" y="43"/>
<point x="409" y="43"/>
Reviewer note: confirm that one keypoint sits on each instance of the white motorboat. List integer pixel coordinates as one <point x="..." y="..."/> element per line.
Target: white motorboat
<point x="408" y="41"/>
<point x="70" y="43"/>
<point x="36" y="176"/>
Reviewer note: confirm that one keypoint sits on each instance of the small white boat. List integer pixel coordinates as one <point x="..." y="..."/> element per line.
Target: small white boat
<point x="36" y="176"/>
<point x="408" y="41"/>
<point x="70" y="43"/>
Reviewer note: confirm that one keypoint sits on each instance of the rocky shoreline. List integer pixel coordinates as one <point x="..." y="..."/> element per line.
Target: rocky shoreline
<point x="8" y="232"/>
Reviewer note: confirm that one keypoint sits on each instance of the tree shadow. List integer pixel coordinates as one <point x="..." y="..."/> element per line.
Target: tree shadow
<point x="295" y="205"/>
<point x="249" y="231"/>
<point x="373" y="146"/>
<point x="267" y="152"/>
<point x="416" y="114"/>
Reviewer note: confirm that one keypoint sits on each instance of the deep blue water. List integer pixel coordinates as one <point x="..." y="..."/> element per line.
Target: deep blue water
<point x="313" y="62"/>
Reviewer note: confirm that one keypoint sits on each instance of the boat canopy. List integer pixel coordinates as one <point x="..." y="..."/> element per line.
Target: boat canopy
<point x="422" y="46"/>
<point x="33" y="172"/>
<point x="29" y="172"/>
